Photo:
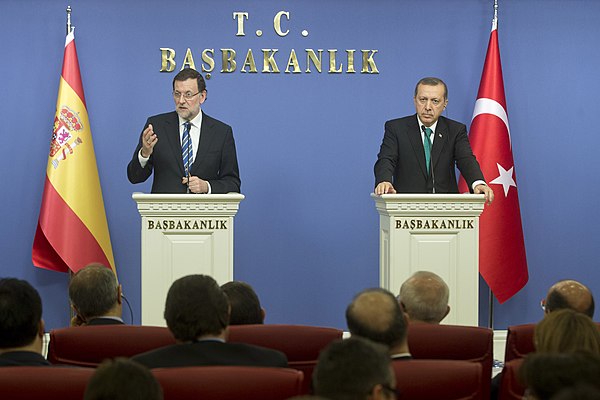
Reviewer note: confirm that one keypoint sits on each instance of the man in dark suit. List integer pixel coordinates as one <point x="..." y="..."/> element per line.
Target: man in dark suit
<point x="197" y="313"/>
<point x="354" y="368"/>
<point x="403" y="164"/>
<point x="212" y="165"/>
<point x="21" y="324"/>
<point x="375" y="314"/>
<point x="96" y="296"/>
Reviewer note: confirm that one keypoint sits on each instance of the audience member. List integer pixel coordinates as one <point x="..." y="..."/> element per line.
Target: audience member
<point x="354" y="369"/>
<point x="21" y="324"/>
<point x="122" y="379"/>
<point x="424" y="297"/>
<point x="245" y="305"/>
<point x="95" y="296"/>
<point x="197" y="313"/>
<point x="567" y="331"/>
<point x="376" y="315"/>
<point x="547" y="374"/>
<point x="569" y="294"/>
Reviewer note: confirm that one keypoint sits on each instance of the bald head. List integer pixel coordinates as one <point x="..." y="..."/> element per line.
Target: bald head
<point x="424" y="297"/>
<point x="376" y="315"/>
<point x="572" y="295"/>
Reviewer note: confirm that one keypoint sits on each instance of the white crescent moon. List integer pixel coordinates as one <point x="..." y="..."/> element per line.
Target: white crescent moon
<point x="489" y="106"/>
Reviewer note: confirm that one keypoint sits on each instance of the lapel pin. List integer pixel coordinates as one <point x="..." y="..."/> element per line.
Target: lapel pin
<point x="439" y="134"/>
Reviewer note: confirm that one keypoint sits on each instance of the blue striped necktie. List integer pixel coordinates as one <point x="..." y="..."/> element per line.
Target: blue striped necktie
<point x="186" y="149"/>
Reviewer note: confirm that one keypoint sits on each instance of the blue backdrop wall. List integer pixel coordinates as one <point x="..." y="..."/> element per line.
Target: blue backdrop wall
<point x="307" y="233"/>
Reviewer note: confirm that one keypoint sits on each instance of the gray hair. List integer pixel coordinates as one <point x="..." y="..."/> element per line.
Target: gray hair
<point x="425" y="297"/>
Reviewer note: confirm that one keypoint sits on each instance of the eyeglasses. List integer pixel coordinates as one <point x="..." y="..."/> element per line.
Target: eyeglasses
<point x="187" y="95"/>
<point x="543" y="304"/>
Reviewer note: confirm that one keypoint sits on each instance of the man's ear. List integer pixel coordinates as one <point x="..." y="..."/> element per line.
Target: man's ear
<point x="263" y="314"/>
<point x="119" y="294"/>
<point x="41" y="328"/>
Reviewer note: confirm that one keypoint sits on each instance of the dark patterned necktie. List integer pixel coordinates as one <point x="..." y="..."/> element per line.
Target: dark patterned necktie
<point x="186" y="149"/>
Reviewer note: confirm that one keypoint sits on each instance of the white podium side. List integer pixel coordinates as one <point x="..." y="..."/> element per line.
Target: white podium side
<point x="437" y="233"/>
<point x="183" y="234"/>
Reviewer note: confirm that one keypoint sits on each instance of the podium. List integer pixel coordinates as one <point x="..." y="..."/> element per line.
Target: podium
<point x="437" y="233"/>
<point x="183" y="234"/>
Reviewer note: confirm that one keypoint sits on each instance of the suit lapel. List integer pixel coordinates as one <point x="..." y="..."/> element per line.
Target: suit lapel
<point x="414" y="135"/>
<point x="206" y="138"/>
<point x="172" y="133"/>
<point x="441" y="138"/>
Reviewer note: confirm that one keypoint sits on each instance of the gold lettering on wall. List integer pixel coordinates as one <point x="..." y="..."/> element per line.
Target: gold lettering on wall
<point x="277" y="23"/>
<point x="240" y="16"/>
<point x="167" y="59"/>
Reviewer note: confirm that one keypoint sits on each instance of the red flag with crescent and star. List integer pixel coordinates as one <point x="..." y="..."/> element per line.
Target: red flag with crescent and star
<point x="502" y="259"/>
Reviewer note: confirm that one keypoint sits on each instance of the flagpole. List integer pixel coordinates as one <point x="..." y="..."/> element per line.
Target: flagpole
<point x="69" y="28"/>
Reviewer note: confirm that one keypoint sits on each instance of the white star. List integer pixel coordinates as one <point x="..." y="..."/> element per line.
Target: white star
<point x="505" y="179"/>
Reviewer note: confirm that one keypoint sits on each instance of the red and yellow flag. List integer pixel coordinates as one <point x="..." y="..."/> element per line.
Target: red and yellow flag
<point x="72" y="230"/>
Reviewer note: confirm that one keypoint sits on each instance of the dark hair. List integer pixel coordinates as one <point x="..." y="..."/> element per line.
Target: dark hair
<point x="546" y="374"/>
<point x="245" y="306"/>
<point x="190" y="73"/>
<point x="20" y="313"/>
<point x="93" y="291"/>
<point x="557" y="301"/>
<point x="122" y="379"/>
<point x="359" y="321"/>
<point x="432" y="81"/>
<point x="196" y="306"/>
<point x="349" y="369"/>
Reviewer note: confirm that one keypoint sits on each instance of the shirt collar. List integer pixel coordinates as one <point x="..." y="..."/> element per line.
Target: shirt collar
<point x="432" y="127"/>
<point x="196" y="121"/>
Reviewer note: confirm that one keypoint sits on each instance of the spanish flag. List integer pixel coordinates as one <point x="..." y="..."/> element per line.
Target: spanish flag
<point x="72" y="230"/>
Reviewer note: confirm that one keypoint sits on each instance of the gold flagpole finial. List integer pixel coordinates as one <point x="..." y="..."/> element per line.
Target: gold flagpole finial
<point x="69" y="28"/>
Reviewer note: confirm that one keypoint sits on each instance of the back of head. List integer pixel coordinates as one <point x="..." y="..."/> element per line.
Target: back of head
<point x="350" y="370"/>
<point x="376" y="315"/>
<point x="245" y="306"/>
<point x="546" y="374"/>
<point x="94" y="291"/>
<point x="570" y="294"/>
<point x="20" y="313"/>
<point x="567" y="331"/>
<point x="122" y="379"/>
<point x="425" y="297"/>
<point x="196" y="306"/>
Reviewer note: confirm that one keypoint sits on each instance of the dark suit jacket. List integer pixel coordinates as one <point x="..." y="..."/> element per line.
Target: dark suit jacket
<point x="104" y="321"/>
<point x="401" y="158"/>
<point x="211" y="352"/>
<point x="215" y="160"/>
<point x="22" y="358"/>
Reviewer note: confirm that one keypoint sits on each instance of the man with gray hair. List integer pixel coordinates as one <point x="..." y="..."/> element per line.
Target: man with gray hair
<point x="424" y="297"/>
<point x="95" y="296"/>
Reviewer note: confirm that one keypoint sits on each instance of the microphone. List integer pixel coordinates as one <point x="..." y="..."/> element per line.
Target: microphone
<point x="430" y="161"/>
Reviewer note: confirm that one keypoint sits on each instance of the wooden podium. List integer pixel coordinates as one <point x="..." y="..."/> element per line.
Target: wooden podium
<point x="183" y="234"/>
<point x="437" y="233"/>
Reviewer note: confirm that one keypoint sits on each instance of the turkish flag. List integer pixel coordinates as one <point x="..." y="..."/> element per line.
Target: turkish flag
<point x="502" y="259"/>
